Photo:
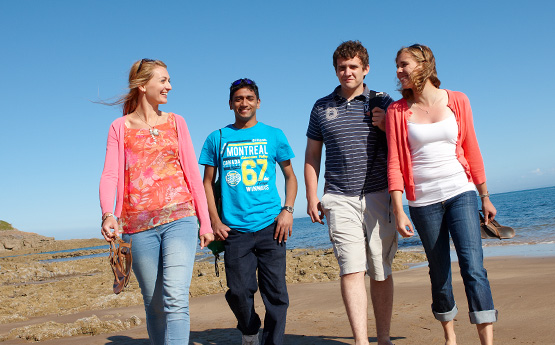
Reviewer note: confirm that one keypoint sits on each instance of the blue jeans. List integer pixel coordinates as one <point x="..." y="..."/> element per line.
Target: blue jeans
<point x="458" y="217"/>
<point x="245" y="253"/>
<point x="163" y="259"/>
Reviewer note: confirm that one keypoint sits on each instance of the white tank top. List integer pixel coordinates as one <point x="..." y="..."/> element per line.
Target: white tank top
<point x="438" y="174"/>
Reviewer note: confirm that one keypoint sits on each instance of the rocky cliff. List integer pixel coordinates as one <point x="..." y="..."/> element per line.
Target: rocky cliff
<point x="11" y="240"/>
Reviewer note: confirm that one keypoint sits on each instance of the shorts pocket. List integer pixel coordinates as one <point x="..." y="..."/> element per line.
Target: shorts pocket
<point x="323" y="202"/>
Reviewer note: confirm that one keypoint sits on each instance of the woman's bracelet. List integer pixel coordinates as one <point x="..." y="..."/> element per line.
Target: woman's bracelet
<point x="106" y="216"/>
<point x="484" y="195"/>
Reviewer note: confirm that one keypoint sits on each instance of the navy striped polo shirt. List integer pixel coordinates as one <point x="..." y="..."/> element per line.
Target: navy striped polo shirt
<point x="356" y="151"/>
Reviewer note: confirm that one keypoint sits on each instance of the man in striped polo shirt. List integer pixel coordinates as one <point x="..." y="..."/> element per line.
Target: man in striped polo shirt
<point x="351" y="123"/>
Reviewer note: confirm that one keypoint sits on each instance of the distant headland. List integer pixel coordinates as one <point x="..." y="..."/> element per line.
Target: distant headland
<point x="12" y="239"/>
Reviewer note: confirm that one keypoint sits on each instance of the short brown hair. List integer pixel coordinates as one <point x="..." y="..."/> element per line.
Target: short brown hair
<point x="426" y="69"/>
<point x="350" y="50"/>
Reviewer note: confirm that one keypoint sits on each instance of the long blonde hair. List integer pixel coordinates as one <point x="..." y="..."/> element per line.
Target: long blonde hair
<point x="139" y="74"/>
<point x="427" y="69"/>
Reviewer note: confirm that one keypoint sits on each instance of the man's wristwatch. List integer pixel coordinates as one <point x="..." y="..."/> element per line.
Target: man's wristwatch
<point x="289" y="209"/>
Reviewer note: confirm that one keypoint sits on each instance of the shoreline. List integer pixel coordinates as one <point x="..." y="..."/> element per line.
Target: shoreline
<point x="526" y="250"/>
<point x="95" y="248"/>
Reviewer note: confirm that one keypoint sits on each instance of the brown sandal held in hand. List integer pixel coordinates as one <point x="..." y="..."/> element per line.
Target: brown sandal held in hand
<point x="494" y="230"/>
<point x="121" y="260"/>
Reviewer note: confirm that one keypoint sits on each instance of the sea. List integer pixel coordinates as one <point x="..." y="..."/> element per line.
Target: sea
<point x="531" y="213"/>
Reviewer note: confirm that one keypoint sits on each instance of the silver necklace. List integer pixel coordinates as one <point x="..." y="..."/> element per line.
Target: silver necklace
<point x="153" y="131"/>
<point x="427" y="112"/>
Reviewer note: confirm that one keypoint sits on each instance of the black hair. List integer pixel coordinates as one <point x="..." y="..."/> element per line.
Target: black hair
<point x="241" y="83"/>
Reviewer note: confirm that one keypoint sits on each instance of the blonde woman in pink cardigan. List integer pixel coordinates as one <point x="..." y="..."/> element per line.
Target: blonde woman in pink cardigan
<point x="152" y="173"/>
<point x="434" y="156"/>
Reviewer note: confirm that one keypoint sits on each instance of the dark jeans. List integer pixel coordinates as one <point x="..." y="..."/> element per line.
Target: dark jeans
<point x="458" y="217"/>
<point x="245" y="253"/>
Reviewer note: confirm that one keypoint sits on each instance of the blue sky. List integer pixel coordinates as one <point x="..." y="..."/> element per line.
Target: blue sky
<point x="60" y="55"/>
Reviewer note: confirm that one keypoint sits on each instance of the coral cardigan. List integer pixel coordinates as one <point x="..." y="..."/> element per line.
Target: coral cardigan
<point x="112" y="178"/>
<point x="399" y="163"/>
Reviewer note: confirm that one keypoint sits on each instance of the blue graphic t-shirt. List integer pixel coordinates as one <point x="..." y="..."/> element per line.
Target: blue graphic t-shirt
<point x="247" y="163"/>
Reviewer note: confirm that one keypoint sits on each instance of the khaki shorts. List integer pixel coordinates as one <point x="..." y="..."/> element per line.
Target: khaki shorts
<point x="363" y="232"/>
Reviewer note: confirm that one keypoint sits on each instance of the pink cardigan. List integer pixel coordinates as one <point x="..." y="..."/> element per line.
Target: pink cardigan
<point x="112" y="178"/>
<point x="399" y="164"/>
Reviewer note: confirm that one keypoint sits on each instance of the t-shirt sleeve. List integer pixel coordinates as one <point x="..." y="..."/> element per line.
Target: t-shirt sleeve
<point x="313" y="132"/>
<point x="208" y="155"/>
<point x="386" y="100"/>
<point x="283" y="151"/>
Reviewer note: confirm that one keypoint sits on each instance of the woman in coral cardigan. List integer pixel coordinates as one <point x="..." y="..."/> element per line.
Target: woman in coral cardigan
<point x="152" y="173"/>
<point x="434" y="156"/>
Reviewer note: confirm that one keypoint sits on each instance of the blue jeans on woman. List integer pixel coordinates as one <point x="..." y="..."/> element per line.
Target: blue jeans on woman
<point x="458" y="217"/>
<point x="163" y="259"/>
<point x="245" y="254"/>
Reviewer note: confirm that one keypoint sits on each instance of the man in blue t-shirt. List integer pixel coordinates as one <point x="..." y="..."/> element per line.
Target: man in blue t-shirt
<point x="351" y="123"/>
<point x="252" y="222"/>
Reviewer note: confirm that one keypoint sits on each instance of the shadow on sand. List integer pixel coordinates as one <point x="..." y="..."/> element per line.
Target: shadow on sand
<point x="124" y="340"/>
<point x="229" y="336"/>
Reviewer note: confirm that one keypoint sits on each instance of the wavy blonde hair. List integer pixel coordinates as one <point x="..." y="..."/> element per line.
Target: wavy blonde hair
<point x="140" y="73"/>
<point x="426" y="69"/>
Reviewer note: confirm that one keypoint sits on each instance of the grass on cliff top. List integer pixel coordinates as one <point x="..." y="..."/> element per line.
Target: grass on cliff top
<point x="5" y="225"/>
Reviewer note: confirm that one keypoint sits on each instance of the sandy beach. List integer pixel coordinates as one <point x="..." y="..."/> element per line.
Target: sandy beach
<point x="71" y="302"/>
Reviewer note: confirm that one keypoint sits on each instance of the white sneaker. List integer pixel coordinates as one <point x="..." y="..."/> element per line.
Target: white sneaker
<point x="250" y="339"/>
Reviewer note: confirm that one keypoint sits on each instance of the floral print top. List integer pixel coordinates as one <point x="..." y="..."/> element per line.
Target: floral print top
<point x="155" y="191"/>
